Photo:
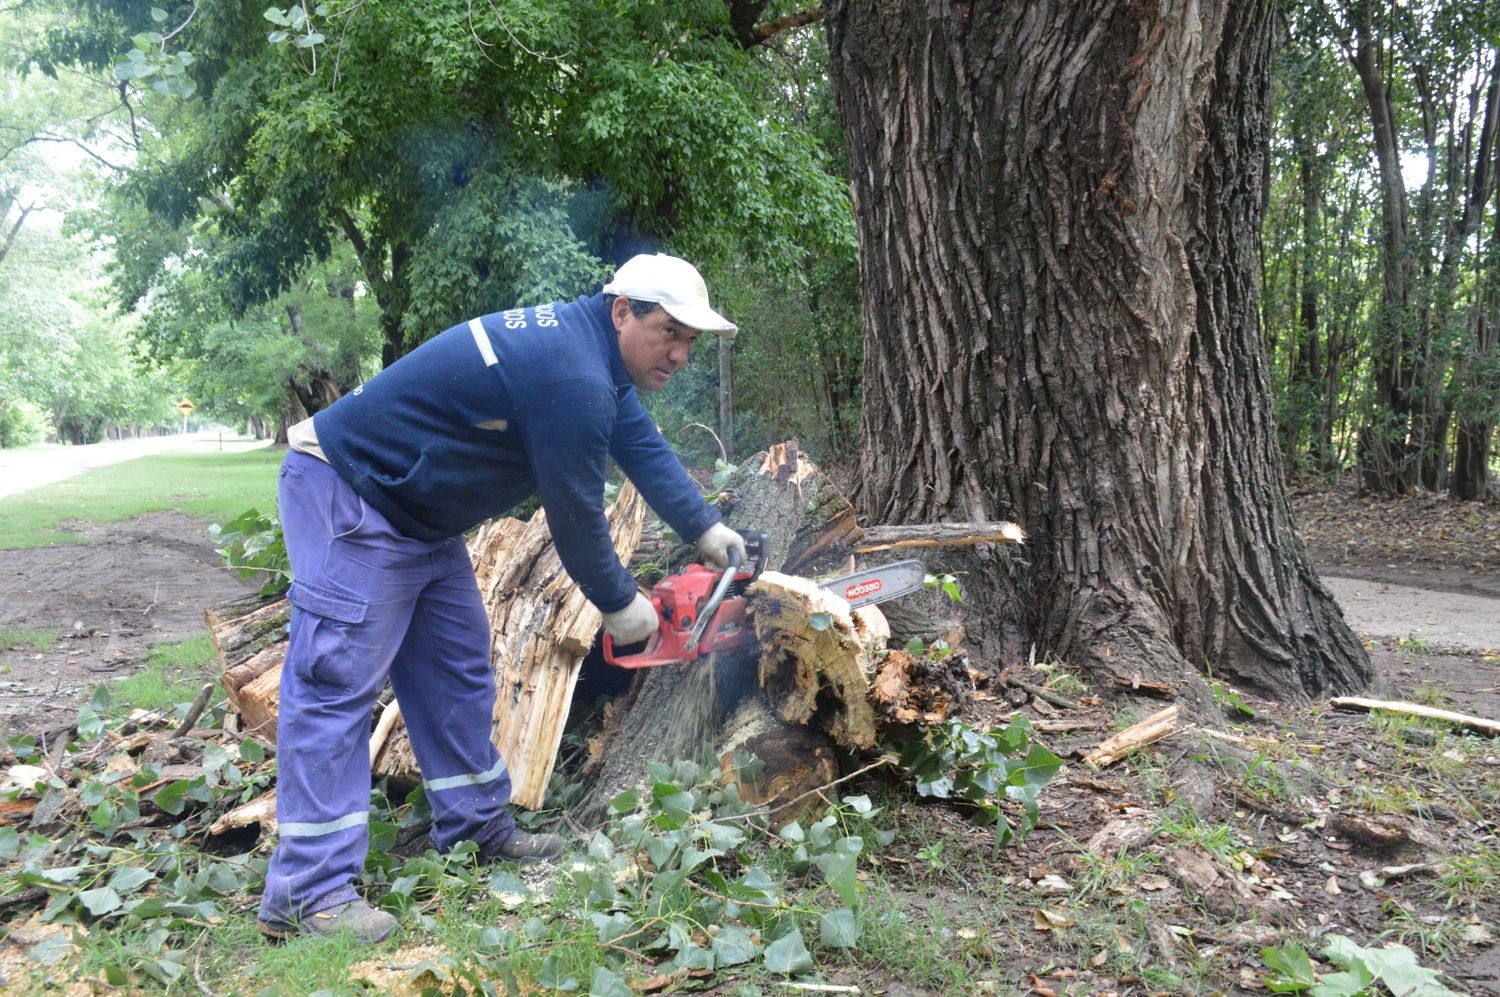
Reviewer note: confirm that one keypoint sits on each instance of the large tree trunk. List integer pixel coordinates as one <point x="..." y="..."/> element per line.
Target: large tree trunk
<point x="1058" y="207"/>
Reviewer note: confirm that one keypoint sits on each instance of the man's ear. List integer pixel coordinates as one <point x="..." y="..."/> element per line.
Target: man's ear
<point x="619" y="311"/>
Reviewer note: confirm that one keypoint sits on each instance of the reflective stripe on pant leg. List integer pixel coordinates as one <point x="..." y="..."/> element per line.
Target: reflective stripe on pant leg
<point x="444" y="681"/>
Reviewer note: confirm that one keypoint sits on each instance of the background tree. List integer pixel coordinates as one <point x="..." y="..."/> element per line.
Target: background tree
<point x="471" y="157"/>
<point x="1059" y="209"/>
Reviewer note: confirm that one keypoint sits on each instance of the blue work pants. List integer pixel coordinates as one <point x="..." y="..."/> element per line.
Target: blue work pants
<point x="369" y="603"/>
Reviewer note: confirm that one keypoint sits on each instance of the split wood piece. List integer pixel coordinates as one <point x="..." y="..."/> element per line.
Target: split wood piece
<point x="1153" y="728"/>
<point x="543" y="627"/>
<point x="261" y="810"/>
<point x="254" y="690"/>
<point x="389" y="717"/>
<point x="796" y="760"/>
<point x="1355" y="704"/>
<point x="878" y="538"/>
<point x="816" y="657"/>
<point x="238" y="634"/>
<point x="16" y="811"/>
<point x="673" y="713"/>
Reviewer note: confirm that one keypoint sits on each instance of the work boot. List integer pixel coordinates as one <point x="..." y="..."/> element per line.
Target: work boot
<point x="368" y="925"/>
<point x="523" y="846"/>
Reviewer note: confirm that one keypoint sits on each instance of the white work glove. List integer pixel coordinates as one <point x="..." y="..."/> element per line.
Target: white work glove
<point x="716" y="543"/>
<point x="634" y="623"/>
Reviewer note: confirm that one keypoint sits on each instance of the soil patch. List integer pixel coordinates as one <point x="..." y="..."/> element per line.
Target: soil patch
<point x="1422" y="540"/>
<point x="136" y="583"/>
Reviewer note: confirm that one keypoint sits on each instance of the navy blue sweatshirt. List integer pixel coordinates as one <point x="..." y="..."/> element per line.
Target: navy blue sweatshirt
<point x="517" y="403"/>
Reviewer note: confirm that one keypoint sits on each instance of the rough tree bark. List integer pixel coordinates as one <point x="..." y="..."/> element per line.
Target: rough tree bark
<point x="1058" y="207"/>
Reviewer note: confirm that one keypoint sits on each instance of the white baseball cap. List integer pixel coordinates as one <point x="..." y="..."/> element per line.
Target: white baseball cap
<point x="675" y="285"/>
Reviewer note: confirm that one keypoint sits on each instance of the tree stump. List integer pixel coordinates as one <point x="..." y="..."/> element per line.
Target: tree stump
<point x="695" y="711"/>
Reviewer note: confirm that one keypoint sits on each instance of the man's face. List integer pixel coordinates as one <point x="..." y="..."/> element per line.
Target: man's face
<point x="654" y="347"/>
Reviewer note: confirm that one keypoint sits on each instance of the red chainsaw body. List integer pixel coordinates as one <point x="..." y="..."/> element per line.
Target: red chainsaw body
<point x="679" y="599"/>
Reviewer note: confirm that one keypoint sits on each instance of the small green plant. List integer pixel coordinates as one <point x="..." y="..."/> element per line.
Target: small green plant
<point x="253" y="546"/>
<point x="1393" y="965"/>
<point x="983" y="769"/>
<point x="946" y="584"/>
<point x="172" y="674"/>
<point x="1414" y="644"/>
<point x="13" y="638"/>
<point x="1229" y="700"/>
<point x="1471" y="875"/>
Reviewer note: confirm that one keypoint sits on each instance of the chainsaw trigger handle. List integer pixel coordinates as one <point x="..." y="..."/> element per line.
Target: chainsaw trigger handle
<point x="706" y="614"/>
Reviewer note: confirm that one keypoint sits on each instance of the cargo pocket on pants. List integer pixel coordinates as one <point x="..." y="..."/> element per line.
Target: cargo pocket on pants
<point x="324" y="649"/>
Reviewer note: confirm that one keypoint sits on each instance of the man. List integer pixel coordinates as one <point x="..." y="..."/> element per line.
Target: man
<point x="375" y="495"/>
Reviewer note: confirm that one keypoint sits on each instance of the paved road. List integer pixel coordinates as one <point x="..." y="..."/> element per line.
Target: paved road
<point x="30" y="467"/>
<point x="1396" y="612"/>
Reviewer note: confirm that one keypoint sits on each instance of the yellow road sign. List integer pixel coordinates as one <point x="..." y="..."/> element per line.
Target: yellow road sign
<point x="185" y="406"/>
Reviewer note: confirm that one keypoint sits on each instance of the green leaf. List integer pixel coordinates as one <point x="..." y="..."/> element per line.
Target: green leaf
<point x="841" y="872"/>
<point x="733" y="946"/>
<point x="52" y="950"/>
<point x="838" y="928"/>
<point x="675" y="804"/>
<point x="158" y="15"/>
<point x="1291" y="969"/>
<point x="915" y="646"/>
<point x="172" y="798"/>
<point x="102" y="901"/>
<point x="130" y="878"/>
<point x="608" y="984"/>
<point x="625" y="802"/>
<point x="554" y="978"/>
<point x="10" y="843"/>
<point x="788" y="955"/>
<point x="251" y="751"/>
<point x="820" y="621"/>
<point x="276" y="16"/>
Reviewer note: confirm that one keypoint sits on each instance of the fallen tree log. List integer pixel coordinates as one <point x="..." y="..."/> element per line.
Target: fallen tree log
<point x="543" y="628"/>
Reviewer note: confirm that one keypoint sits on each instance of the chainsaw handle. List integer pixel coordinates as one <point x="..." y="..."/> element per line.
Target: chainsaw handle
<point x="706" y="614"/>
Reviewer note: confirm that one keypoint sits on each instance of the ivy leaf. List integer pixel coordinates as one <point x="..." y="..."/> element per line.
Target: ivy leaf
<point x="608" y="984"/>
<point x="52" y="950"/>
<point x="10" y="843"/>
<point x="733" y="946"/>
<point x="841" y="872"/>
<point x="820" y="621"/>
<point x="172" y="797"/>
<point x="102" y="901"/>
<point x="788" y="955"/>
<point x="130" y="879"/>
<point x="552" y="977"/>
<point x="838" y="929"/>
<point x="625" y="802"/>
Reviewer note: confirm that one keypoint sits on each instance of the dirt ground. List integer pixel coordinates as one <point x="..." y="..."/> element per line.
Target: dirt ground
<point x="141" y="582"/>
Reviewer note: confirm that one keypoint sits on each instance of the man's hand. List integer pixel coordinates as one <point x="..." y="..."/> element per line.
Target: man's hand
<point x="716" y="543"/>
<point x="634" y="623"/>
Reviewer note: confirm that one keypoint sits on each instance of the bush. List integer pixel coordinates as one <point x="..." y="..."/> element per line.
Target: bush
<point x="22" y="424"/>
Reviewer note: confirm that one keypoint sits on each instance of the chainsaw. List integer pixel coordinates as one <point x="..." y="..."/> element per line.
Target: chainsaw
<point x="703" y="611"/>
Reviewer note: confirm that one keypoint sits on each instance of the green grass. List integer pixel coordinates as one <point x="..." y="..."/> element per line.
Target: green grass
<point x="13" y="638"/>
<point x="214" y="487"/>
<point x="173" y="674"/>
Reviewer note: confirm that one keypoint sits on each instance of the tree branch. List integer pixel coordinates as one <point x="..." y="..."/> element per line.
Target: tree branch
<point x="10" y="237"/>
<point x="765" y="32"/>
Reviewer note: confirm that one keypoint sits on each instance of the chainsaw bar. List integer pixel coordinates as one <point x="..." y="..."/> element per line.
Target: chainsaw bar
<point x="876" y="585"/>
